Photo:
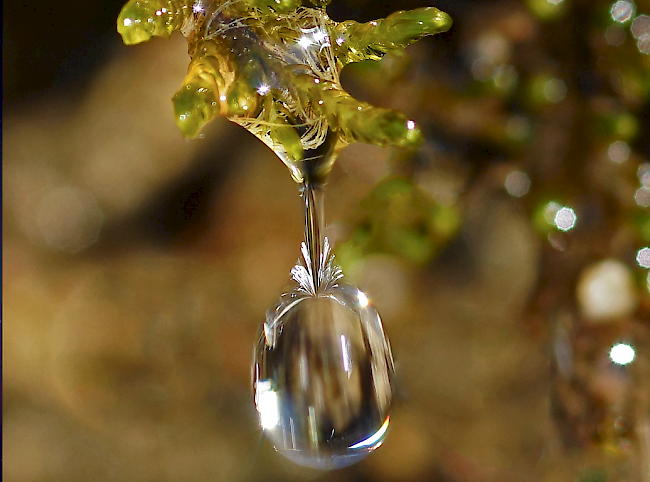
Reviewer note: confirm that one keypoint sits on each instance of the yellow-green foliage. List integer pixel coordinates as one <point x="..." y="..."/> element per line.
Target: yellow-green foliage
<point x="273" y="67"/>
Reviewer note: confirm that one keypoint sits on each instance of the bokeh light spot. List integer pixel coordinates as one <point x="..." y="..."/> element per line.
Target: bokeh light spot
<point x="555" y="90"/>
<point x="615" y="35"/>
<point x="640" y="26"/>
<point x="517" y="183"/>
<point x="643" y="257"/>
<point x="643" y="43"/>
<point x="606" y="291"/>
<point x="622" y="354"/>
<point x="642" y="197"/>
<point x="618" y="152"/>
<point x="565" y="219"/>
<point x="622" y="11"/>
<point x="69" y="219"/>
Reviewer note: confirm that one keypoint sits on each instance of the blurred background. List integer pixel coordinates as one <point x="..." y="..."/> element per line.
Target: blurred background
<point x="508" y="256"/>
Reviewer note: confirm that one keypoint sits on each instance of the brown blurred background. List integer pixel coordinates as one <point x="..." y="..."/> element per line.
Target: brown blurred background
<point x="137" y="265"/>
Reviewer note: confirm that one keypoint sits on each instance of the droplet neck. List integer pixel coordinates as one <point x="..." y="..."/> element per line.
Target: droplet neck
<point x="313" y="195"/>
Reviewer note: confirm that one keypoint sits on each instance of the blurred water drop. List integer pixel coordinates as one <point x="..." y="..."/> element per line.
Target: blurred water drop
<point x="517" y="183"/>
<point x="622" y="11"/>
<point x="482" y="69"/>
<point x="518" y="128"/>
<point x="640" y="26"/>
<point x="615" y="35"/>
<point x="642" y="197"/>
<point x="606" y="291"/>
<point x="643" y="43"/>
<point x="505" y="77"/>
<point x="555" y="90"/>
<point x="69" y="219"/>
<point x="493" y="47"/>
<point x="618" y="152"/>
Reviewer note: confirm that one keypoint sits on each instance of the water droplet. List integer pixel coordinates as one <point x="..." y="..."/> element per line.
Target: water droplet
<point x="322" y="378"/>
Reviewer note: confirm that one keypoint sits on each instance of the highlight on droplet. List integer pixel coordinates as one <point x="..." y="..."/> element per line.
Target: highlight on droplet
<point x="375" y="438"/>
<point x="363" y="299"/>
<point x="267" y="405"/>
<point x="622" y="354"/>
<point x="304" y="42"/>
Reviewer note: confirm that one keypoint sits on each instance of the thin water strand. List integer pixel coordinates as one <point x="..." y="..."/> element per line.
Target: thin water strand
<point x="314" y="231"/>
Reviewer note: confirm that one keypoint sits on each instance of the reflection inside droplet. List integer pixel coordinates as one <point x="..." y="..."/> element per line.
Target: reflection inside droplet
<point x="267" y="405"/>
<point x="375" y="438"/>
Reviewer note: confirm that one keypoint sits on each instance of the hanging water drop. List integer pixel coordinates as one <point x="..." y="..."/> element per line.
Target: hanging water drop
<point x="323" y="369"/>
